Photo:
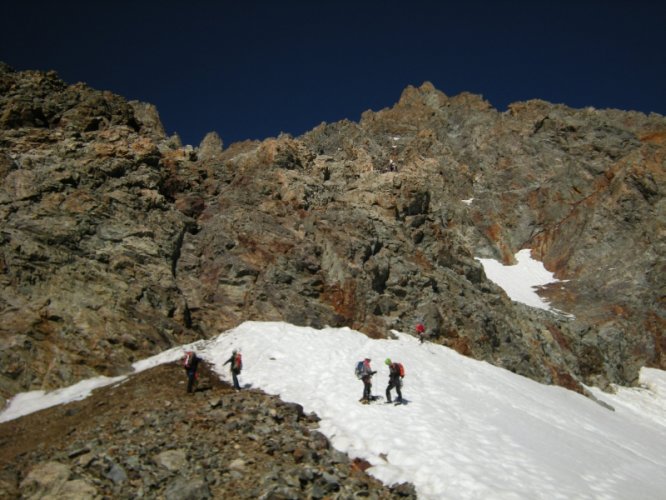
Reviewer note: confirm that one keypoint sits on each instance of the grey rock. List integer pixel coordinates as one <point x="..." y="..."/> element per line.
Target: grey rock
<point x="116" y="473"/>
<point x="173" y="460"/>
<point x="237" y="464"/>
<point x="215" y="402"/>
<point x="187" y="488"/>
<point x="51" y="480"/>
<point x="45" y="479"/>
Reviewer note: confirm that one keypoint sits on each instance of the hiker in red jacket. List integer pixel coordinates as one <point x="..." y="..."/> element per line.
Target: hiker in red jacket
<point x="396" y="372"/>
<point x="420" y="332"/>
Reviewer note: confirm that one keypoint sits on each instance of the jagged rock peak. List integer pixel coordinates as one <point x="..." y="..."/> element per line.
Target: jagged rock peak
<point x="425" y="94"/>
<point x="149" y="118"/>
<point x="41" y="99"/>
<point x="211" y="147"/>
<point x="435" y="99"/>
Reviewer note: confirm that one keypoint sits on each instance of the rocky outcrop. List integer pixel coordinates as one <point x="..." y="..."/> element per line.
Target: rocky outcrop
<point x="118" y="242"/>
<point x="89" y="238"/>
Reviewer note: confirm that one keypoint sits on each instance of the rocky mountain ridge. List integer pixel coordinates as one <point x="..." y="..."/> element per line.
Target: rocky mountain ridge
<point x="118" y="242"/>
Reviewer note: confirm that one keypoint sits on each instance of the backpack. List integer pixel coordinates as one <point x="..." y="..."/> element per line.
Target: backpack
<point x="238" y="362"/>
<point x="359" y="370"/>
<point x="401" y="369"/>
<point x="187" y="360"/>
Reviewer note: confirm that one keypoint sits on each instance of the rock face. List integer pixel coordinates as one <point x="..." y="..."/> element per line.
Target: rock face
<point x="117" y="242"/>
<point x="89" y="240"/>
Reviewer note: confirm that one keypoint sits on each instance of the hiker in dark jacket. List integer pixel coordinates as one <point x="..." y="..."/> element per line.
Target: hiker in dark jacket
<point x="236" y="365"/>
<point x="395" y="380"/>
<point x="366" y="377"/>
<point x="191" y="363"/>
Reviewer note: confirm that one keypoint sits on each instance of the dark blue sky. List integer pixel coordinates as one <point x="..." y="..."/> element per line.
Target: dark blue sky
<point x="252" y="69"/>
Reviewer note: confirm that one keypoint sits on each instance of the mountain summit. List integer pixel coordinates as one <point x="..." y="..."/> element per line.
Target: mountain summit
<point x="118" y="242"/>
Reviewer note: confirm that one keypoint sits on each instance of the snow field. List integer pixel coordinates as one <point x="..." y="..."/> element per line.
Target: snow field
<point x="470" y="430"/>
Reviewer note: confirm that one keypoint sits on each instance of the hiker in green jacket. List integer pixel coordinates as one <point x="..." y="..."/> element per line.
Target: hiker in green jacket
<point x="396" y="372"/>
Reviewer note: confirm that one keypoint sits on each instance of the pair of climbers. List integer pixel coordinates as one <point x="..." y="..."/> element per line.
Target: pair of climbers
<point x="191" y="364"/>
<point x="396" y="373"/>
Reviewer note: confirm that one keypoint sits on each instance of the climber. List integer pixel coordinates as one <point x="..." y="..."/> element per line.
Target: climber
<point x="191" y="363"/>
<point x="365" y="373"/>
<point x="396" y="373"/>
<point x="420" y="331"/>
<point x="236" y="365"/>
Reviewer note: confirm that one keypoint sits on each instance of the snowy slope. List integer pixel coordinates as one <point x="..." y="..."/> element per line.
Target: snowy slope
<point x="470" y="430"/>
